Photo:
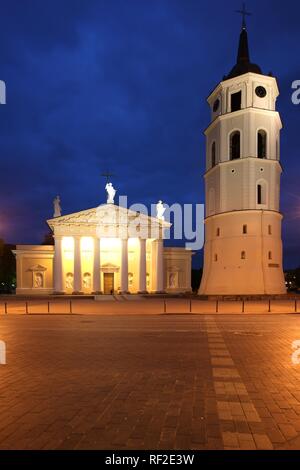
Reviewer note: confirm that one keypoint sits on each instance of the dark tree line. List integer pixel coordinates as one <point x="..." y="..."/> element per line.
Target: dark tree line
<point x="7" y="267"/>
<point x="292" y="279"/>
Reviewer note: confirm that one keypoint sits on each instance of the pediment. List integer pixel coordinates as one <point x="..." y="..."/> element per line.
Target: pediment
<point x="110" y="268"/>
<point x="107" y="215"/>
<point x="37" y="267"/>
<point x="109" y="265"/>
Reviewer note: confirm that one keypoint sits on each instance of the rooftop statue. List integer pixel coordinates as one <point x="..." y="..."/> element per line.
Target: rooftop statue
<point x="111" y="192"/>
<point x="57" y="207"/>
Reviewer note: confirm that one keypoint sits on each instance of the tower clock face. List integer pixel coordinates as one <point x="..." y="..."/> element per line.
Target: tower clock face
<point x="261" y="91"/>
<point x="216" y="105"/>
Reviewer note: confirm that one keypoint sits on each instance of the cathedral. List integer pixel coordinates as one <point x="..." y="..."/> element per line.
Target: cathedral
<point x="243" y="247"/>
<point x="105" y="250"/>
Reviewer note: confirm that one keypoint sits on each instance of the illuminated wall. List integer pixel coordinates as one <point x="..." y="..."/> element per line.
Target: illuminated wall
<point x="35" y="265"/>
<point x="87" y="262"/>
<point x="68" y="264"/>
<point x="110" y="256"/>
<point x="149" y="269"/>
<point x="133" y="258"/>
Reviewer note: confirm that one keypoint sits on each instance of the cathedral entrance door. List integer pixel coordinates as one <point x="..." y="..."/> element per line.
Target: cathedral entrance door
<point x="108" y="283"/>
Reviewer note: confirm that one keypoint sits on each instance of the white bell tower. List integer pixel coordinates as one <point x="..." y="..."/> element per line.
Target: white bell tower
<point x="243" y="247"/>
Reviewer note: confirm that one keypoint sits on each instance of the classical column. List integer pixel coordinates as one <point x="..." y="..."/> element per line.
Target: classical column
<point x="58" y="266"/>
<point x="77" y="266"/>
<point x="124" y="266"/>
<point x="97" y="268"/>
<point x="142" y="267"/>
<point x="159" y="265"/>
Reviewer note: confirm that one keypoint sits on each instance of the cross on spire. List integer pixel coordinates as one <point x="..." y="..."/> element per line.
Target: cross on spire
<point x="107" y="175"/>
<point x="244" y="13"/>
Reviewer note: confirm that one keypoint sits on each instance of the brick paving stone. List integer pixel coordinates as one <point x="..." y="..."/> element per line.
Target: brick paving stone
<point x="230" y="439"/>
<point x="242" y="427"/>
<point x="214" y="443"/>
<point x="219" y="352"/>
<point x="280" y="418"/>
<point x="288" y="431"/>
<point x="275" y="436"/>
<point x="296" y="424"/>
<point x="223" y="372"/>
<point x="263" y="412"/>
<point x="262" y="442"/>
<point x="213" y="430"/>
<point x="218" y="361"/>
<point x="228" y="425"/>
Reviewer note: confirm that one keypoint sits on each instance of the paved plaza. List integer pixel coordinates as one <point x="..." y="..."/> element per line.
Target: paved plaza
<point x="149" y="382"/>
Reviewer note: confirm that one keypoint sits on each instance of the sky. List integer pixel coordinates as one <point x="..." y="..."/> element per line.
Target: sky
<point x="122" y="85"/>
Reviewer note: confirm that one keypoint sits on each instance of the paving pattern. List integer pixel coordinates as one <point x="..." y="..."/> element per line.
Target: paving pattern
<point x="149" y="382"/>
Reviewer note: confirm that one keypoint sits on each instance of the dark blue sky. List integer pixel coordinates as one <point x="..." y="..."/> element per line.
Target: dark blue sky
<point x="121" y="84"/>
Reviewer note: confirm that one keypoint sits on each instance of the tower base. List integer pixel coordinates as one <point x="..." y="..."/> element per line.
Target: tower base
<point x="243" y="254"/>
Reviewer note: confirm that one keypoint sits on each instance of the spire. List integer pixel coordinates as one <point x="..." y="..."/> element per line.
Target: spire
<point x="243" y="64"/>
<point x="243" y="52"/>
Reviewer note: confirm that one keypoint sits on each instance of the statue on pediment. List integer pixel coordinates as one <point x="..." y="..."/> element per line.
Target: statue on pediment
<point x="111" y="192"/>
<point x="57" y="207"/>
<point x="160" y="210"/>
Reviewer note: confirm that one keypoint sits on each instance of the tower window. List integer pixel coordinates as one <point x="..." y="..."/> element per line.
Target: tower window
<point x="243" y="255"/>
<point x="216" y="257"/>
<point x="261" y="144"/>
<point x="270" y="229"/>
<point x="218" y="232"/>
<point x="261" y="193"/>
<point x="236" y="101"/>
<point x="244" y="228"/>
<point x="235" y="145"/>
<point x="216" y="105"/>
<point x="213" y="154"/>
<point x="270" y="255"/>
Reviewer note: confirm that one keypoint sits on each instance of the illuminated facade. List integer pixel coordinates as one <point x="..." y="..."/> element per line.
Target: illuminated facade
<point x="108" y="249"/>
<point x="243" y="248"/>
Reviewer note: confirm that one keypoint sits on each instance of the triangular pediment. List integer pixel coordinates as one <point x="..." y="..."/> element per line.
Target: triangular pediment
<point x="110" y="268"/>
<point x="37" y="267"/>
<point x="106" y="214"/>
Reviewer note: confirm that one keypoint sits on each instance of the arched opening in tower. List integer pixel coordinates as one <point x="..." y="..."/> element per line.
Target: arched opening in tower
<point x="235" y="145"/>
